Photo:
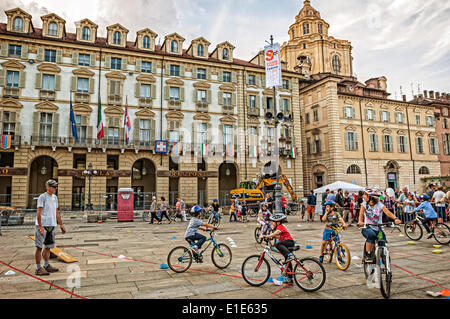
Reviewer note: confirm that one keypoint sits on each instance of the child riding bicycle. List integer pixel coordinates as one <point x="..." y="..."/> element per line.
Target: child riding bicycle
<point x="284" y="238"/>
<point x="428" y="211"/>
<point x="263" y="219"/>
<point x="332" y="219"/>
<point x="371" y="214"/>
<point x="192" y="234"/>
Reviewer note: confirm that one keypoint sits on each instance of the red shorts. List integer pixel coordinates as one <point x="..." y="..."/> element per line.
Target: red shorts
<point x="310" y="209"/>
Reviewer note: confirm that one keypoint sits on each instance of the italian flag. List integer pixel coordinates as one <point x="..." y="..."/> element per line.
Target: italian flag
<point x="204" y="149"/>
<point x="100" y="133"/>
<point x="255" y="151"/>
<point x="176" y="148"/>
<point x="230" y="150"/>
<point x="294" y="152"/>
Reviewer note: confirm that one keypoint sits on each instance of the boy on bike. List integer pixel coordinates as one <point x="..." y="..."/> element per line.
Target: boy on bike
<point x="192" y="234"/>
<point x="332" y="219"/>
<point x="263" y="219"/>
<point x="284" y="238"/>
<point x="215" y="209"/>
<point x="428" y="211"/>
<point x="371" y="214"/>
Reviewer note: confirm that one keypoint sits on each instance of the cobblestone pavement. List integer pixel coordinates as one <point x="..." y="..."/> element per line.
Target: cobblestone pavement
<point x="416" y="269"/>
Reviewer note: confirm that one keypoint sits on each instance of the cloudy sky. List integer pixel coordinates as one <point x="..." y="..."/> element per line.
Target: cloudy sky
<point x="408" y="41"/>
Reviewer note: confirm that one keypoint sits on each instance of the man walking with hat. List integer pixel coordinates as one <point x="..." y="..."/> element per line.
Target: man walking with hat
<point x="47" y="218"/>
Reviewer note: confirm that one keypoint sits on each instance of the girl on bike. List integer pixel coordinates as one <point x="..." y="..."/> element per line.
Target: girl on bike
<point x="263" y="219"/>
<point x="195" y="224"/>
<point x="371" y="214"/>
<point x="429" y="212"/>
<point x="332" y="219"/>
<point x="284" y="238"/>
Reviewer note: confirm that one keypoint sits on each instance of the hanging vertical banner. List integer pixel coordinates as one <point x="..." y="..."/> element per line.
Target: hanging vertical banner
<point x="273" y="65"/>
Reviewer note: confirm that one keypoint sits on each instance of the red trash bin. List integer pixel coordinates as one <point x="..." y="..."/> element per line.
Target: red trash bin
<point x="125" y="205"/>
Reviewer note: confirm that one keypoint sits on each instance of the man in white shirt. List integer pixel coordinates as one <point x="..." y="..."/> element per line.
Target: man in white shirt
<point x="47" y="217"/>
<point x="440" y="207"/>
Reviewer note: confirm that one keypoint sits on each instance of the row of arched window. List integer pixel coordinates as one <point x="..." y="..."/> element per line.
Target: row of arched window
<point x="355" y="169"/>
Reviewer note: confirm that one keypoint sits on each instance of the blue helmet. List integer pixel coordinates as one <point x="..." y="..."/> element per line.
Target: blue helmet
<point x="330" y="202"/>
<point x="215" y="200"/>
<point x="424" y="197"/>
<point x="195" y="210"/>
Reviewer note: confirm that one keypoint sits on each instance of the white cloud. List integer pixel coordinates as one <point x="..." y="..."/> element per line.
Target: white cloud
<point x="405" y="40"/>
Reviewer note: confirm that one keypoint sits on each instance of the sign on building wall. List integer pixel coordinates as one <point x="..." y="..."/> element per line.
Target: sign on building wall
<point x="273" y="65"/>
<point x="161" y="147"/>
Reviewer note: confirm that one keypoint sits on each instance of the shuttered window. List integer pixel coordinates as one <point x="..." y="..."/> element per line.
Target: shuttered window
<point x="116" y="63"/>
<point x="13" y="79"/>
<point x="144" y="132"/>
<point x="252" y="101"/>
<point x="48" y="82"/>
<point x="351" y="141"/>
<point x="201" y="96"/>
<point x="419" y="144"/>
<point x="50" y="56"/>
<point x="202" y="133"/>
<point x="146" y="91"/>
<point x="227" y="99"/>
<point x="146" y="67"/>
<point x="349" y="112"/>
<point x="45" y="128"/>
<point x="374" y="145"/>
<point x="388" y="143"/>
<point x="385" y="116"/>
<point x="370" y="115"/>
<point x="226" y="77"/>
<point x="84" y="59"/>
<point x="83" y="85"/>
<point x="15" y="51"/>
<point x="9" y="123"/>
<point x="402" y="142"/>
<point x="227" y="134"/>
<point x="201" y="74"/>
<point x="434" y="148"/>
<point x="81" y="128"/>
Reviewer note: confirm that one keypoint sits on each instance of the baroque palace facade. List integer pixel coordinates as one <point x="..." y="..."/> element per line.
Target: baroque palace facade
<point x="208" y="101"/>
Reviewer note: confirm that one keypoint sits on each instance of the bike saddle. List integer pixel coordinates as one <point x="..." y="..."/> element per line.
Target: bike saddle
<point x="295" y="248"/>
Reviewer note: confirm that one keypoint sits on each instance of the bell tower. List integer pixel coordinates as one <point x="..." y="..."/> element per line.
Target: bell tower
<point x="309" y="41"/>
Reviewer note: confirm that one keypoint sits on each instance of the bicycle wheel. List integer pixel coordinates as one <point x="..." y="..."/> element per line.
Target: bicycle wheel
<point x="385" y="275"/>
<point x="146" y="216"/>
<point x="255" y="270"/>
<point x="442" y="234"/>
<point x="413" y="230"/>
<point x="257" y="234"/>
<point x="179" y="259"/>
<point x="221" y="256"/>
<point x="328" y="252"/>
<point x="342" y="256"/>
<point x="309" y="274"/>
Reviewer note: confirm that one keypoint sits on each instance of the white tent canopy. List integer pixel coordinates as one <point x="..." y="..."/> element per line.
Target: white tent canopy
<point x="338" y="185"/>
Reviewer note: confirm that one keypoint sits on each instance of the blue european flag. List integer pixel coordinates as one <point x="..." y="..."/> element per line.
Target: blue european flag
<point x="72" y="119"/>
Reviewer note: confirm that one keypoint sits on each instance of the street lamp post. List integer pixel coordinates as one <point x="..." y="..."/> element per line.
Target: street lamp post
<point x="277" y="191"/>
<point x="90" y="173"/>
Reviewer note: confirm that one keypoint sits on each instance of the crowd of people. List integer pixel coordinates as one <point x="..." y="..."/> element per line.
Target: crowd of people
<point x="402" y="204"/>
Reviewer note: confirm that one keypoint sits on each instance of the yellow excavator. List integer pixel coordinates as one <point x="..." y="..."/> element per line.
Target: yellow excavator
<point x="251" y="192"/>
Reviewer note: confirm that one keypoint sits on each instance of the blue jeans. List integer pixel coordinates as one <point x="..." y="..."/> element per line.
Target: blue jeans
<point x="201" y="239"/>
<point x="371" y="236"/>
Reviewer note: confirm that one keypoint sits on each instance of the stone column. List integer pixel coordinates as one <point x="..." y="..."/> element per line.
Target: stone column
<point x="297" y="164"/>
<point x="335" y="170"/>
<point x="19" y="184"/>
<point x="189" y="185"/>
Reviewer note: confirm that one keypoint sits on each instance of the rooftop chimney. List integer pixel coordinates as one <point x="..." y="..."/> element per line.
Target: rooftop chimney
<point x="425" y="94"/>
<point x="404" y="97"/>
<point x="421" y="95"/>
<point x="415" y="97"/>
<point x="431" y="94"/>
<point x="436" y="95"/>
